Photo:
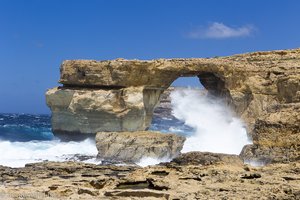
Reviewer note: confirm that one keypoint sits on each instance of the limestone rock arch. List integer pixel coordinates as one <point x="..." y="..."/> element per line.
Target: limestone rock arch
<point x="120" y="95"/>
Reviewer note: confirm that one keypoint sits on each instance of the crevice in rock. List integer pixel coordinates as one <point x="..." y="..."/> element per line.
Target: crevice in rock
<point x="139" y="194"/>
<point x="136" y="185"/>
<point x="160" y="173"/>
<point x="139" y="185"/>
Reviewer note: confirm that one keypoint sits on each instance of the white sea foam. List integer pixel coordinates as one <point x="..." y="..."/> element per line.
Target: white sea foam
<point x="147" y="161"/>
<point x="17" y="154"/>
<point x="255" y="163"/>
<point x="216" y="128"/>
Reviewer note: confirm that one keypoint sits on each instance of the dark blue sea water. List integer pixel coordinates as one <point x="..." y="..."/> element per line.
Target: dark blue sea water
<point x="29" y="127"/>
<point x="28" y="138"/>
<point x="25" y="127"/>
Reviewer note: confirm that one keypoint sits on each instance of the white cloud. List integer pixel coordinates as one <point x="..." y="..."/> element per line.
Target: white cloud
<point x="220" y="31"/>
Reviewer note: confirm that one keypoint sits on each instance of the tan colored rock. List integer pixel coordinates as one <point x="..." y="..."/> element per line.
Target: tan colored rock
<point x="117" y="73"/>
<point x="249" y="82"/>
<point x="207" y="158"/>
<point x="132" y="146"/>
<point x="289" y="89"/>
<point x="79" y="110"/>
<point x="252" y="84"/>
<point x="279" y="128"/>
<point x="263" y="155"/>
<point x="276" y="136"/>
<point x="73" y="180"/>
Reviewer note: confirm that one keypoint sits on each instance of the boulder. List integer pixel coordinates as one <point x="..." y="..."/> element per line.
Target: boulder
<point x="132" y="146"/>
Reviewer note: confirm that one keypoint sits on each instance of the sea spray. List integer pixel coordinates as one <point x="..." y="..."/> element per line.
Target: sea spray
<point x="216" y="129"/>
<point x="28" y="138"/>
<point x="17" y="154"/>
<point x="147" y="161"/>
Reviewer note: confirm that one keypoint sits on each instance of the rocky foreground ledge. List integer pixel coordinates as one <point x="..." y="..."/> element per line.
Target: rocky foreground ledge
<point x="190" y="176"/>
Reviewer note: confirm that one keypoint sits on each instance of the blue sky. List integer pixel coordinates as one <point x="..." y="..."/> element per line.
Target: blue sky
<point x="37" y="35"/>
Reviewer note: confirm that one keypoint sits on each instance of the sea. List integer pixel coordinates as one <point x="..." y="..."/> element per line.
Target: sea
<point x="207" y="124"/>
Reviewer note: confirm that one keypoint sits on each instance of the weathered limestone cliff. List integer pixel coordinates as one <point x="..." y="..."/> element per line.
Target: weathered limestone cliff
<point x="86" y="110"/>
<point x="120" y="95"/>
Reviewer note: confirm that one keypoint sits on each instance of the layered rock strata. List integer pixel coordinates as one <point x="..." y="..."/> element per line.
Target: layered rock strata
<point x="85" y="110"/>
<point x="119" y="95"/>
<point x="276" y="136"/>
<point x="133" y="146"/>
<point x="212" y="176"/>
<point x="251" y="82"/>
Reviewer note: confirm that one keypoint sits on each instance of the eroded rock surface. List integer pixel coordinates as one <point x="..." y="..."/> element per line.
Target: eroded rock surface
<point x="84" y="110"/>
<point x="276" y="136"/>
<point x="207" y="158"/>
<point x="132" y="146"/>
<point x="71" y="180"/>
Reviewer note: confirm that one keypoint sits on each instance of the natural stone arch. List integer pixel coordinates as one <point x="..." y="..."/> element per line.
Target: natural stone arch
<point x="119" y="95"/>
<point x="116" y="108"/>
<point x="97" y="94"/>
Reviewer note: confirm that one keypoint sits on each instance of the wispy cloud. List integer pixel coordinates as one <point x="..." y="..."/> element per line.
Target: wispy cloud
<point x="218" y="30"/>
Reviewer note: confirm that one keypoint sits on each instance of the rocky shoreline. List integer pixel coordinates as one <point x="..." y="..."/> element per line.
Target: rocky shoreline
<point x="116" y="99"/>
<point x="193" y="175"/>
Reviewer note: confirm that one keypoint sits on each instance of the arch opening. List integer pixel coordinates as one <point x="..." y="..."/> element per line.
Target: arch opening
<point x="199" y="108"/>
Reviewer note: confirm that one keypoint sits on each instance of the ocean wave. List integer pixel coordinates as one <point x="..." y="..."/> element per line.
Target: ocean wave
<point x="216" y="128"/>
<point x="17" y="154"/>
